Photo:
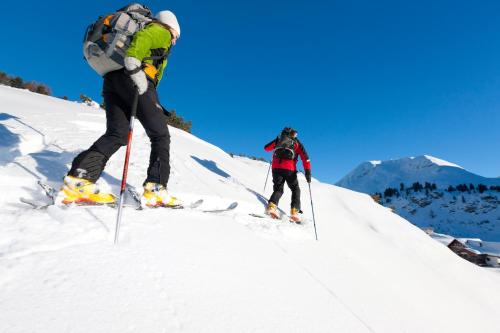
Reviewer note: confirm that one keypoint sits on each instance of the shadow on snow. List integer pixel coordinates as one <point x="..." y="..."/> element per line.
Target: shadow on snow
<point x="212" y="166"/>
<point x="8" y="141"/>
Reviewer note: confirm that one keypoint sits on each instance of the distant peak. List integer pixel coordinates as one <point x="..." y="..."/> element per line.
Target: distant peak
<point x="375" y="163"/>
<point x="441" y="162"/>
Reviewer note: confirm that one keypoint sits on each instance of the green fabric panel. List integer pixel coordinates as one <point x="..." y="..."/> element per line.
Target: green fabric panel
<point x="153" y="36"/>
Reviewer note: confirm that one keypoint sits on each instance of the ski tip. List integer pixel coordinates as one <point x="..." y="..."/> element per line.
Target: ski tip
<point x="232" y="205"/>
<point x="196" y="203"/>
<point x="33" y="204"/>
<point x="264" y="216"/>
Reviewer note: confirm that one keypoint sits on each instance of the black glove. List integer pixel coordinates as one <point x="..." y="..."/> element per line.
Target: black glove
<point x="308" y="175"/>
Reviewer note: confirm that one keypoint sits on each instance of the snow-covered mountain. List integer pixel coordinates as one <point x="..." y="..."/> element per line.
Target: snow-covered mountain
<point x="376" y="176"/>
<point x="462" y="211"/>
<point x="462" y="214"/>
<point x="189" y="271"/>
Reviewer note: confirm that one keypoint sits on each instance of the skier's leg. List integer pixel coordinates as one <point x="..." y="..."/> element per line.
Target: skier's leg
<point x="79" y="185"/>
<point x="150" y="114"/>
<point x="278" y="184"/>
<point x="154" y="121"/>
<point x="89" y="164"/>
<point x="293" y="184"/>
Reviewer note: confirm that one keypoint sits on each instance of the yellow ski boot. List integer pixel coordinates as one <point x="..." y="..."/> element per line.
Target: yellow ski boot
<point x="156" y="195"/>
<point x="83" y="192"/>
<point x="294" y="215"/>
<point x="272" y="210"/>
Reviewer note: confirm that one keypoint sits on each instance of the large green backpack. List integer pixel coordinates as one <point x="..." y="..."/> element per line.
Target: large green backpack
<point x="106" y="40"/>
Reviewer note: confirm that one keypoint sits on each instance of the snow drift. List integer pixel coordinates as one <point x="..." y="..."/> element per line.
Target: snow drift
<point x="182" y="270"/>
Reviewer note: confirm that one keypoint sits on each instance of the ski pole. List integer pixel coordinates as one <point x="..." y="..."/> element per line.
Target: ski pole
<point x="312" y="208"/>
<point x="125" y="165"/>
<point x="268" y="170"/>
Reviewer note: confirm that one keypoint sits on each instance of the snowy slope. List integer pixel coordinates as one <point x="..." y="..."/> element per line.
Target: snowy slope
<point x="376" y="176"/>
<point x="175" y="270"/>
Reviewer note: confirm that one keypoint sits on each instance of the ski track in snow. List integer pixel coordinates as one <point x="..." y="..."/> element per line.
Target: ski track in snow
<point x="189" y="271"/>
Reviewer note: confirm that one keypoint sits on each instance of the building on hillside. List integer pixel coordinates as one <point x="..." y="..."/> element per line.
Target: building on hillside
<point x="467" y="253"/>
<point x="490" y="249"/>
<point x="471" y="249"/>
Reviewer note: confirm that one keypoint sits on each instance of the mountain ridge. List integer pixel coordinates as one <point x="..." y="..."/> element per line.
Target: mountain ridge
<point x="432" y="192"/>
<point x="376" y="176"/>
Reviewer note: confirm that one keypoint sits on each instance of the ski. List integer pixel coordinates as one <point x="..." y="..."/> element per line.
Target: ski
<point x="50" y="192"/>
<point x="261" y="216"/>
<point x="231" y="206"/>
<point x="43" y="205"/>
<point x="192" y="205"/>
<point x="34" y="204"/>
<point x="265" y="216"/>
<point x="195" y="204"/>
<point x="137" y="197"/>
<point x="282" y="218"/>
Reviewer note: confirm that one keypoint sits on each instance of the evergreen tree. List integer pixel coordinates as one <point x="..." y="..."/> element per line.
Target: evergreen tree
<point x="417" y="187"/>
<point x="389" y="192"/>
<point x="4" y="78"/>
<point x="179" y="122"/>
<point x="377" y="197"/>
<point x="42" y="89"/>
<point x="16" y="82"/>
<point x="85" y="98"/>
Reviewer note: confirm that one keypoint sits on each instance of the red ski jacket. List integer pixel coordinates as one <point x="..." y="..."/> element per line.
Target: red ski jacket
<point x="279" y="163"/>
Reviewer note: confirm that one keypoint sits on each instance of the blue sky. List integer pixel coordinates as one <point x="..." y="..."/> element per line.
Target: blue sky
<point x="359" y="80"/>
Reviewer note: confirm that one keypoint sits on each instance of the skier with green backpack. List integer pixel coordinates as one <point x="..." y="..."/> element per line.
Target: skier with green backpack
<point x="286" y="150"/>
<point x="129" y="48"/>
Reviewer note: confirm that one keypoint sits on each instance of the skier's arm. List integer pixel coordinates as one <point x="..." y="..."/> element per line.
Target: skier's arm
<point x="305" y="160"/>
<point x="161" y="70"/>
<point x="270" y="146"/>
<point x="151" y="37"/>
<point x="303" y="156"/>
<point x="141" y="44"/>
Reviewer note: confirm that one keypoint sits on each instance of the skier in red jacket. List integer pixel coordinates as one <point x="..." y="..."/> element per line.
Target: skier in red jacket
<point x="287" y="149"/>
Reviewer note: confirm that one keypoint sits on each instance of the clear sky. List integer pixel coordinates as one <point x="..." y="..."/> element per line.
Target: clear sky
<point x="359" y="80"/>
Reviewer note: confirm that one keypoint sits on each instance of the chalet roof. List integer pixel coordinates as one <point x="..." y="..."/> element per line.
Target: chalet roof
<point x="489" y="248"/>
<point x="475" y="245"/>
<point x="443" y="239"/>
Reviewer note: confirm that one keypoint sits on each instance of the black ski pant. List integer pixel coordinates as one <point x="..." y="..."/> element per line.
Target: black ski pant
<point x="280" y="176"/>
<point x="118" y="92"/>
